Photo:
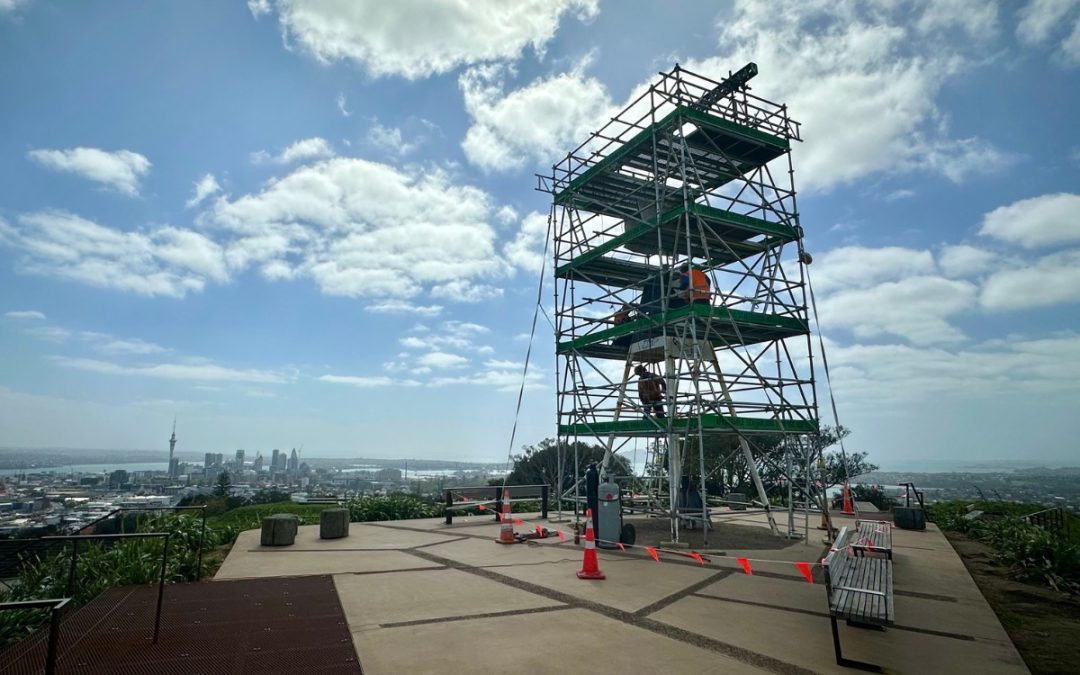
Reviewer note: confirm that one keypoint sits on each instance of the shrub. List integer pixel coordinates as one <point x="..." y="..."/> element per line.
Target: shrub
<point x="395" y="506"/>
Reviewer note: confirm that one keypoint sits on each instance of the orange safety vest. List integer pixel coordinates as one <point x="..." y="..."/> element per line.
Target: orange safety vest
<point x="699" y="286"/>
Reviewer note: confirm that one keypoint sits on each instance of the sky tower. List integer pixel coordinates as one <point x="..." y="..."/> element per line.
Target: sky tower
<point x="172" y="449"/>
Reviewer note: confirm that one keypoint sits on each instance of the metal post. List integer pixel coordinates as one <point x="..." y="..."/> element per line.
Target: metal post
<point x="202" y="542"/>
<point x="71" y="572"/>
<point x="498" y="503"/>
<point x="449" y="509"/>
<point x="54" y="638"/>
<point x="544" y="490"/>
<point x="161" y="589"/>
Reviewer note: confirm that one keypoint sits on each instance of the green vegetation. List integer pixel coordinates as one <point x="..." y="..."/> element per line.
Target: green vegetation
<point x="1033" y="553"/>
<point x="138" y="561"/>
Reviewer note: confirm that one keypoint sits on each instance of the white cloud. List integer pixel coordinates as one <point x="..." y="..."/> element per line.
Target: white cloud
<point x="161" y="261"/>
<point x="203" y="372"/>
<point x="863" y="79"/>
<point x="965" y="261"/>
<point x="880" y="376"/>
<point x="504" y="380"/>
<point x="1041" y="20"/>
<point x="538" y="123"/>
<point x="463" y="290"/>
<point x="915" y="308"/>
<point x="25" y="314"/>
<point x="302" y="150"/>
<point x="341" y="105"/>
<point x="420" y="38"/>
<point x="402" y="307"/>
<point x="121" y="170"/>
<point x="442" y="360"/>
<point x="363" y="229"/>
<point x="133" y="347"/>
<point x="400" y="141"/>
<point x="526" y="250"/>
<point x="1039" y="221"/>
<point x="1052" y="280"/>
<point x="259" y="8"/>
<point x="9" y="6"/>
<point x="896" y="195"/>
<point x="860" y="266"/>
<point x="362" y="382"/>
<point x="204" y="187"/>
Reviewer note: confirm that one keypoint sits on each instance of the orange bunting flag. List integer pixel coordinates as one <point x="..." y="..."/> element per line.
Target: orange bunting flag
<point x="620" y="545"/>
<point x="540" y="530"/>
<point x="562" y="537"/>
<point x="464" y="499"/>
<point x="745" y="563"/>
<point x="697" y="557"/>
<point x="517" y="521"/>
<point x="481" y="507"/>
<point x="653" y="552"/>
<point x="805" y="569"/>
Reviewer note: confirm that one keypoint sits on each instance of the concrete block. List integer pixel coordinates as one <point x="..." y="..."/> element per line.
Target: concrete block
<point x="279" y="529"/>
<point x="334" y="524"/>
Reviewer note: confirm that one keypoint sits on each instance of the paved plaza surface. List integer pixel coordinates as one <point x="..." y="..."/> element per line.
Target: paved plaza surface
<point x="420" y="596"/>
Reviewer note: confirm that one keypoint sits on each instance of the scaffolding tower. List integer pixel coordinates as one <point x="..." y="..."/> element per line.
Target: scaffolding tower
<point x="694" y="176"/>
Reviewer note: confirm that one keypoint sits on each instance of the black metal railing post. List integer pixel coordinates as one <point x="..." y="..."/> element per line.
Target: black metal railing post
<point x="161" y="589"/>
<point x="54" y="606"/>
<point x="54" y="636"/>
<point x="449" y="507"/>
<point x="71" y="572"/>
<point x="544" y="491"/>
<point x="202" y="544"/>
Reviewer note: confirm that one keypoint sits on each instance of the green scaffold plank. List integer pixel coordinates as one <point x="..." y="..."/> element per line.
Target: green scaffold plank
<point x="769" y="326"/>
<point x="718" y="128"/>
<point x="688" y="424"/>
<point x="732" y="230"/>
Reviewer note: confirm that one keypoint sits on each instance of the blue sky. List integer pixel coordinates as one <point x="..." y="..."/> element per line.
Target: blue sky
<point x="314" y="223"/>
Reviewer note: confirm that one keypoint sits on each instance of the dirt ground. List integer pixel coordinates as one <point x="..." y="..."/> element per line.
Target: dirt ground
<point x="1043" y="624"/>
<point x="724" y="535"/>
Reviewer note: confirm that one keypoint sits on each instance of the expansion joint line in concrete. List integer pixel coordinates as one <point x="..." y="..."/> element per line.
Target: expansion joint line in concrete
<point x="679" y="595"/>
<point x="739" y="653"/>
<point x="485" y="615"/>
<point x="825" y="615"/>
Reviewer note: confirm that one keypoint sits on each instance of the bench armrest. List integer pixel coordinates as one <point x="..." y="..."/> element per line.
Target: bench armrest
<point x="858" y="590"/>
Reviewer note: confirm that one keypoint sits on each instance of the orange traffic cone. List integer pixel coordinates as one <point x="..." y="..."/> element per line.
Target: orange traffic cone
<point x="506" y="533"/>
<point x="849" y="507"/>
<point x="590" y="569"/>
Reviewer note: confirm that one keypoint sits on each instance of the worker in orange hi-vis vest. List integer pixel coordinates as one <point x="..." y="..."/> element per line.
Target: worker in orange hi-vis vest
<point x="694" y="284"/>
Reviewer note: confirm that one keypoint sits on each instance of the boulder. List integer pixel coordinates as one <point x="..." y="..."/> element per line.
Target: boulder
<point x="334" y="524"/>
<point x="280" y="529"/>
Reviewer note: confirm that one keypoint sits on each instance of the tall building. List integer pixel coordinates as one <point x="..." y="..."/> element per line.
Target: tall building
<point x="172" y="450"/>
<point x="274" y="460"/>
<point x="294" y="462"/>
<point x="258" y="463"/>
<point x="240" y="460"/>
<point x="208" y="460"/>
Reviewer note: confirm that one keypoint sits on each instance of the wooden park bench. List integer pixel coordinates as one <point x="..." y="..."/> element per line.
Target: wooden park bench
<point x="874" y="536"/>
<point x="860" y="591"/>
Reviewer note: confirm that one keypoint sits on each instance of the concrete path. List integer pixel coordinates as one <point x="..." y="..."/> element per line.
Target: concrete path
<point x="423" y="597"/>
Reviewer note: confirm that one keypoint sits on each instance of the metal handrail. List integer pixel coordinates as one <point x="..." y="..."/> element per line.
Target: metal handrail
<point x="54" y="605"/>
<point x="76" y="538"/>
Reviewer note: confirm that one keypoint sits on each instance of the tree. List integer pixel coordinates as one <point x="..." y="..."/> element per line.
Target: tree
<point x="539" y="464"/>
<point x="726" y="466"/>
<point x="224" y="482"/>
